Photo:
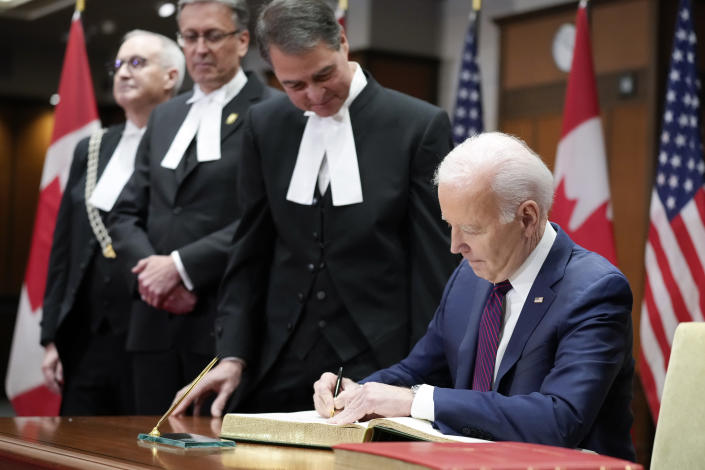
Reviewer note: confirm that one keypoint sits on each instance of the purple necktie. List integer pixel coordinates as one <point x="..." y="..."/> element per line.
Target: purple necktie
<point x="488" y="338"/>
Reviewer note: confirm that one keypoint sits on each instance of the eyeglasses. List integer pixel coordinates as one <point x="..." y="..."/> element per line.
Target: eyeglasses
<point x="212" y="37"/>
<point x="133" y="63"/>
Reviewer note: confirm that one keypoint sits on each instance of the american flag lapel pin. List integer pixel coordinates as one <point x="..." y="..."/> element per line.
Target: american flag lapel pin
<point x="538" y="300"/>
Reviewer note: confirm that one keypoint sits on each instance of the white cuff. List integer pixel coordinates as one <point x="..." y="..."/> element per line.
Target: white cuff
<point x="422" y="407"/>
<point x="182" y="270"/>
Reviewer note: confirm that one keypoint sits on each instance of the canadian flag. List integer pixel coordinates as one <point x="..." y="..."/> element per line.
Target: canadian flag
<point x="582" y="199"/>
<point x="76" y="117"/>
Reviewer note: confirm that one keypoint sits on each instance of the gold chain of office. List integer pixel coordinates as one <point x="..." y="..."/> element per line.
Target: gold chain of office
<point x="97" y="225"/>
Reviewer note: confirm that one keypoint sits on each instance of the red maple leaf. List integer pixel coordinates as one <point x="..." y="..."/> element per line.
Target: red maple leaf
<point x="595" y="233"/>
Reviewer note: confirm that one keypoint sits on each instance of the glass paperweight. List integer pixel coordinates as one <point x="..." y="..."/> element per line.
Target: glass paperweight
<point x="185" y="440"/>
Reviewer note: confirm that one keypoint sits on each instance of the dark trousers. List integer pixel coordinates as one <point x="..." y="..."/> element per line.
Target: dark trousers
<point x="288" y="385"/>
<point x="158" y="375"/>
<point x="97" y="374"/>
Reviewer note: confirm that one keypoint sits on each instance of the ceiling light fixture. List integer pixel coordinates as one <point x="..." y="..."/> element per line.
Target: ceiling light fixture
<point x="166" y="9"/>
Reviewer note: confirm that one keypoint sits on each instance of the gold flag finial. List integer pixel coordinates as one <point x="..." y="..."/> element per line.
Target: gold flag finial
<point x="80" y="5"/>
<point x="476" y="4"/>
<point x="343" y="4"/>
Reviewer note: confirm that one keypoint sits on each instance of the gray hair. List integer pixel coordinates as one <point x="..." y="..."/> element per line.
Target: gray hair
<point x="517" y="174"/>
<point x="170" y="55"/>
<point x="239" y="8"/>
<point x="297" y="26"/>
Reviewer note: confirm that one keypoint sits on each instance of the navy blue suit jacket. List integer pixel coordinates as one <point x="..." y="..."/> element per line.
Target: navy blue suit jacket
<point x="566" y="376"/>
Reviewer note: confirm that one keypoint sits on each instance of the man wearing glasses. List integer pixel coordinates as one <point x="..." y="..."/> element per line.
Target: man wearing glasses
<point x="173" y="222"/>
<point x="87" y="301"/>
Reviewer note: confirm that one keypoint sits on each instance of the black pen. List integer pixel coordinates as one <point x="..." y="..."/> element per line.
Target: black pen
<point x="338" y="381"/>
<point x="336" y="390"/>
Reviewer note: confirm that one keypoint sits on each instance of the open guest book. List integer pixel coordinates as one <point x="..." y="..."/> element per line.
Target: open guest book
<point x="309" y="429"/>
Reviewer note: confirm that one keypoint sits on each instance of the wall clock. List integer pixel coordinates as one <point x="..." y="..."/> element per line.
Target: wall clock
<point x="563" y="44"/>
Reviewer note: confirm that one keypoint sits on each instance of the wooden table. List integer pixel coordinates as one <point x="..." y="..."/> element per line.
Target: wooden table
<point x="111" y="442"/>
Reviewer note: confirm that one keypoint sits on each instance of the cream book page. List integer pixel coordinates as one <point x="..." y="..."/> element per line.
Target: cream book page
<point x="311" y="429"/>
<point x="304" y="428"/>
<point x="308" y="416"/>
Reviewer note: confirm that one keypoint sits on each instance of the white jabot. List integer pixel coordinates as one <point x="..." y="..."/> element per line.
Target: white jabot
<point x="327" y="150"/>
<point x="203" y="121"/>
<point x="119" y="168"/>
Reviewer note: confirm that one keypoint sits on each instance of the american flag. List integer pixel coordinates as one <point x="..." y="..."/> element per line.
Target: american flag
<point x="674" y="290"/>
<point x="467" y="118"/>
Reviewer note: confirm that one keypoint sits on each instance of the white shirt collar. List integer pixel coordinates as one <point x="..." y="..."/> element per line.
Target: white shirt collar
<point x="228" y="91"/>
<point x="524" y="277"/>
<point x="358" y="83"/>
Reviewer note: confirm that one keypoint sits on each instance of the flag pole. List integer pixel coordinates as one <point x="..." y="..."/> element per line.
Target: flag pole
<point x="476" y="4"/>
<point x="80" y="5"/>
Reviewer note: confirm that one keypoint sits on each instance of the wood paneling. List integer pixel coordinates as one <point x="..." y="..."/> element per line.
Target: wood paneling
<point x="619" y="29"/>
<point x="548" y="132"/>
<point x="543" y="99"/>
<point x="620" y="34"/>
<point x="414" y="75"/>
<point x="630" y="167"/>
<point x="526" y="51"/>
<point x="541" y="133"/>
<point x="549" y="98"/>
<point x="5" y="184"/>
<point x="31" y="133"/>
<point x="520" y="127"/>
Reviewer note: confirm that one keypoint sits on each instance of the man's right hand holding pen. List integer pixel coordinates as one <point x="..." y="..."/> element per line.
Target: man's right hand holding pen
<point x="327" y="389"/>
<point x="357" y="402"/>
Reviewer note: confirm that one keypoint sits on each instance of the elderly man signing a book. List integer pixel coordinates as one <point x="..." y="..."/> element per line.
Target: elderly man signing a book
<point x="532" y="340"/>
